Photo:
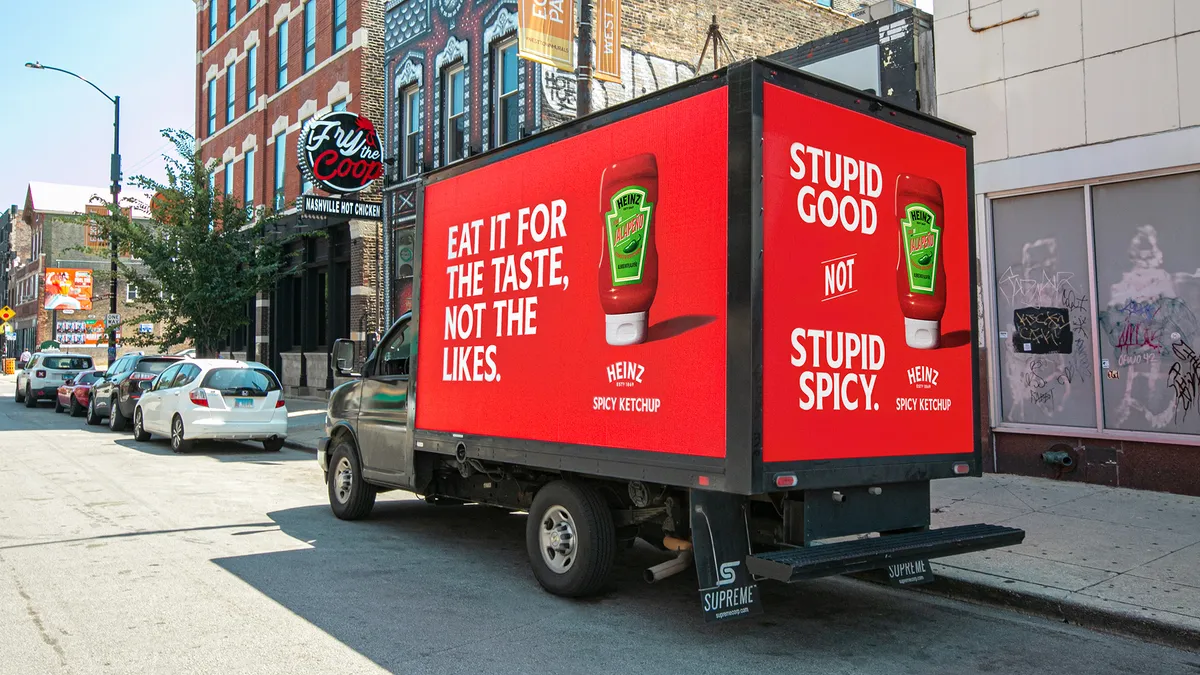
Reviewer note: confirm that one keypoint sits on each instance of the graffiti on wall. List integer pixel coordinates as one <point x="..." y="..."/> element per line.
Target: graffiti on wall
<point x="1047" y="358"/>
<point x="1152" y="333"/>
<point x="641" y="73"/>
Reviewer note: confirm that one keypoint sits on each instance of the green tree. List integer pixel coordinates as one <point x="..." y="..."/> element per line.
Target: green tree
<point x="204" y="256"/>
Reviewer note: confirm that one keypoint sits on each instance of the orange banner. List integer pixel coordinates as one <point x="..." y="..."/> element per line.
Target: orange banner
<point x="546" y="32"/>
<point x="608" y="40"/>
<point x="68" y="289"/>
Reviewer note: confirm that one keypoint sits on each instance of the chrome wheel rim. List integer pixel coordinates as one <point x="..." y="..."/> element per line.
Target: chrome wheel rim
<point x="558" y="540"/>
<point x="343" y="480"/>
<point x="177" y="433"/>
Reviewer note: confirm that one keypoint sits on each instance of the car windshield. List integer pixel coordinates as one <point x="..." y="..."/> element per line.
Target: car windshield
<point x="238" y="380"/>
<point x="68" y="362"/>
<point x="87" y="378"/>
<point x="154" y="365"/>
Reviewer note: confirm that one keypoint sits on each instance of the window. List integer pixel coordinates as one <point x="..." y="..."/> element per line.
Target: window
<point x="250" y="4"/>
<point x="167" y="377"/>
<point x="394" y="354"/>
<point x="411" y="130"/>
<point x="310" y="35"/>
<point x="233" y="381"/>
<point x="212" y="24"/>
<point x="281" y="56"/>
<point x="248" y="179"/>
<point x="305" y="183"/>
<point x="456" y="120"/>
<point x="228" y="178"/>
<point x="339" y="106"/>
<point x="252" y="77"/>
<point x="230" y="95"/>
<point x="507" y="111"/>
<point x="825" y="3"/>
<point x="212" y="107"/>
<point x="280" y="166"/>
<point x="131" y="292"/>
<point x="232" y="13"/>
<point x="339" y="24"/>
<point x="187" y="375"/>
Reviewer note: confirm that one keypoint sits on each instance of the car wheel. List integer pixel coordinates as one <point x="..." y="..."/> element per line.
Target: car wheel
<point x="116" y="421"/>
<point x="92" y="418"/>
<point x="350" y="497"/>
<point x="58" y="406"/>
<point x="76" y="409"/>
<point x="139" y="429"/>
<point x="178" y="442"/>
<point x="273" y="444"/>
<point x="30" y="400"/>
<point x="18" y="396"/>
<point x="570" y="539"/>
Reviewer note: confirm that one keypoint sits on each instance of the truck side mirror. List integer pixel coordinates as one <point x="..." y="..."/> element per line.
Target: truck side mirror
<point x="343" y="358"/>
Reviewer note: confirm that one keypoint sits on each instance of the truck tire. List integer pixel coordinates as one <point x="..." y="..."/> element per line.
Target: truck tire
<point x="570" y="539"/>
<point x="116" y="421"/>
<point x="350" y="497"/>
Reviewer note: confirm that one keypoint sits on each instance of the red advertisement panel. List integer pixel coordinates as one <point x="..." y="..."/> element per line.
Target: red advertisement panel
<point x="866" y="291"/>
<point x="575" y="293"/>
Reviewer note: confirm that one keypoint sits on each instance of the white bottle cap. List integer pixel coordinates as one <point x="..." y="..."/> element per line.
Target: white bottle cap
<point x="921" y="334"/>
<point x="625" y="329"/>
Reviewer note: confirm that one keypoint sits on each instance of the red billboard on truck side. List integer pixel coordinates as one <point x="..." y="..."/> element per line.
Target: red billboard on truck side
<point x="576" y="292"/>
<point x="866" y="287"/>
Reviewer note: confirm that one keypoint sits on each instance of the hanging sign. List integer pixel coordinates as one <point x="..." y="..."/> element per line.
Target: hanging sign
<point x="312" y="205"/>
<point x="546" y="32"/>
<point x="608" y="41"/>
<point x="340" y="152"/>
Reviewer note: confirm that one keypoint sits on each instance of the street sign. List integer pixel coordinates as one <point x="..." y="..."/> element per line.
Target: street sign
<point x="7" y="313"/>
<point x="112" y="320"/>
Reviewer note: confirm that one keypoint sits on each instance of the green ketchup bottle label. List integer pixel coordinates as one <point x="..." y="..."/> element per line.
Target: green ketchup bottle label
<point x="921" y="235"/>
<point x="627" y="225"/>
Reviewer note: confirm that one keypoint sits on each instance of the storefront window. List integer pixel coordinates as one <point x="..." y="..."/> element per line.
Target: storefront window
<point x="1148" y="282"/>
<point x="1043" y="310"/>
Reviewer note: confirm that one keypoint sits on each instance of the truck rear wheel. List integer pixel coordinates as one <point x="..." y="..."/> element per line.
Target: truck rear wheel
<point x="350" y="497"/>
<point x="570" y="539"/>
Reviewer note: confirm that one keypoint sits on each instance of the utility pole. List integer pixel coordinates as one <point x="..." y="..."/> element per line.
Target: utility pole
<point x="583" y="72"/>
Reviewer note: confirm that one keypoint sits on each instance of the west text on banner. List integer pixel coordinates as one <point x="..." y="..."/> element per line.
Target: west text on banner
<point x="546" y="32"/>
<point x="608" y="40"/>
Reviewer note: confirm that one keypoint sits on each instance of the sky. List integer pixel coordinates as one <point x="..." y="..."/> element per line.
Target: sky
<point x="58" y="129"/>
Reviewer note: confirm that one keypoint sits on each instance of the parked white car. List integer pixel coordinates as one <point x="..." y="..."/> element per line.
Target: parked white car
<point x="45" y="373"/>
<point x="213" y="399"/>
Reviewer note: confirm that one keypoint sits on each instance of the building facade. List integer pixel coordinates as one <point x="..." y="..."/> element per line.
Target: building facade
<point x="455" y="87"/>
<point x="49" y="234"/>
<point x="264" y="68"/>
<point x="8" y="219"/>
<point x="1087" y="184"/>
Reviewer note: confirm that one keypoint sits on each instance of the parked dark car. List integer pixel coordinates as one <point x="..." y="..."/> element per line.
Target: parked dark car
<point x="116" y="394"/>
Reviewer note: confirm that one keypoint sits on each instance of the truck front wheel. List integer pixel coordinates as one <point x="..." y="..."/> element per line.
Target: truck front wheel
<point x="350" y="497"/>
<point x="570" y="539"/>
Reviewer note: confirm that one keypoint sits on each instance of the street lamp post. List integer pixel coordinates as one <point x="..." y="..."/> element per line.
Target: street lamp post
<point x="115" y="171"/>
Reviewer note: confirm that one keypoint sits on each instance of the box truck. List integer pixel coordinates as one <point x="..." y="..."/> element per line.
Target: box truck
<point x="735" y="318"/>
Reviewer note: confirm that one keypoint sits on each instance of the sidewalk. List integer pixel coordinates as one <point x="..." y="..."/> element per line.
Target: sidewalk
<point x="306" y="422"/>
<point x="1115" y="559"/>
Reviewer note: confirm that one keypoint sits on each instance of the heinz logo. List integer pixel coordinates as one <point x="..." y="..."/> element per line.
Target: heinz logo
<point x="923" y="377"/>
<point x="625" y="373"/>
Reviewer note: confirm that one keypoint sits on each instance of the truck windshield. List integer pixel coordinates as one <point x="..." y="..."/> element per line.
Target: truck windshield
<point x="238" y="380"/>
<point x="68" y="362"/>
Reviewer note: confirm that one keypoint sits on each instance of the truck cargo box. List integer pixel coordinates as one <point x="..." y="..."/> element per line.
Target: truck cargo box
<point x="752" y="281"/>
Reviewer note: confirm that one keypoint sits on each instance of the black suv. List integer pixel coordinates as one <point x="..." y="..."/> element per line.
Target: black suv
<point x="116" y="394"/>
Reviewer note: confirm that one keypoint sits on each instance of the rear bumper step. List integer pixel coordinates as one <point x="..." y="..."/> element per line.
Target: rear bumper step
<point x="860" y="555"/>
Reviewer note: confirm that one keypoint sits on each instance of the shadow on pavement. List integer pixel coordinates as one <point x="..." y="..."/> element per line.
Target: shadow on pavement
<point x="222" y="451"/>
<point x="422" y="588"/>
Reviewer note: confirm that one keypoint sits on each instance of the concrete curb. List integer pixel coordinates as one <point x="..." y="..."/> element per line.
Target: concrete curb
<point x="297" y="445"/>
<point x="1097" y="615"/>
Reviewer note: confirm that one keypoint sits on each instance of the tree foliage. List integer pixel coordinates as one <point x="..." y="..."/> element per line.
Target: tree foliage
<point x="202" y="256"/>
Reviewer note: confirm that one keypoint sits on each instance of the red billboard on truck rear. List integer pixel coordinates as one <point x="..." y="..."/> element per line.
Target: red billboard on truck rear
<point x="576" y="292"/>
<point x="866" y="287"/>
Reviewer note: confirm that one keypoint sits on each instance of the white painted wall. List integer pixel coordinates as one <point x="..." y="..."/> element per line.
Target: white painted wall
<point x="1082" y="72"/>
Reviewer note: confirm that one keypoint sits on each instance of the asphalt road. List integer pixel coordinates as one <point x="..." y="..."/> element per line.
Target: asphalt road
<point x="121" y="557"/>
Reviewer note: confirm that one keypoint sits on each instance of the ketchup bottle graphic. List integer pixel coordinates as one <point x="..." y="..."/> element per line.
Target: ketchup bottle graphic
<point x="920" y="274"/>
<point x="628" y="271"/>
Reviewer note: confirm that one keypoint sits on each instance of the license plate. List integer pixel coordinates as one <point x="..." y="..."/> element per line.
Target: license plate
<point x="910" y="573"/>
<point x="243" y="403"/>
<point x="67" y="377"/>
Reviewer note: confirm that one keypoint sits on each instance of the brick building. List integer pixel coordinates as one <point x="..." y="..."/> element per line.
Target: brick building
<point x="263" y="69"/>
<point x="435" y="46"/>
<point x="48" y="235"/>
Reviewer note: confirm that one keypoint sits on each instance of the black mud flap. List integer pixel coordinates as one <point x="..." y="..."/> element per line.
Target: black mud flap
<point x="720" y="546"/>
